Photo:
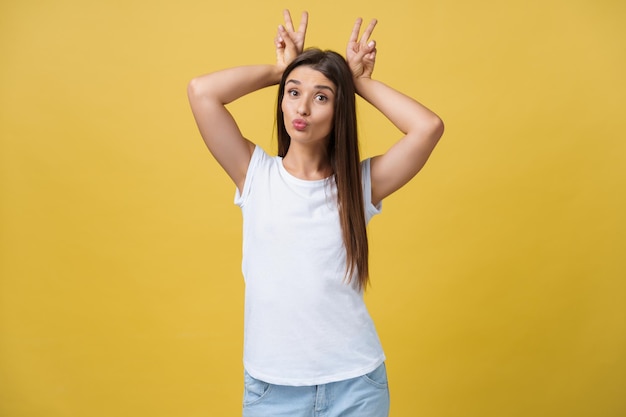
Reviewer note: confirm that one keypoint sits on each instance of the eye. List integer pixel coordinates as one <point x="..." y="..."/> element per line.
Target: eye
<point x="292" y="93"/>
<point x="321" y="97"/>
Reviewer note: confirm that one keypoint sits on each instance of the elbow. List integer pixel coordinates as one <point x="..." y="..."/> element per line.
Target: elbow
<point x="200" y="91"/>
<point x="205" y="89"/>
<point x="193" y="89"/>
<point x="433" y="128"/>
<point x="437" y="128"/>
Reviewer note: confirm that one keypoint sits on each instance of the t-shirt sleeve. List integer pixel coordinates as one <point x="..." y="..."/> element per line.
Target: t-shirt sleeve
<point x="242" y="195"/>
<point x="366" y="180"/>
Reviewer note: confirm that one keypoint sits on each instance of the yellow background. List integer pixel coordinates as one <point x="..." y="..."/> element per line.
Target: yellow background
<point x="498" y="273"/>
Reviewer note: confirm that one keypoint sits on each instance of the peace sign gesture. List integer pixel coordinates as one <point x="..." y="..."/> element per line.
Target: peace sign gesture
<point x="361" y="54"/>
<point x="289" y="42"/>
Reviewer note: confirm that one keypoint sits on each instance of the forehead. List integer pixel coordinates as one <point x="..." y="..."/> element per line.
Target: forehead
<point x="309" y="77"/>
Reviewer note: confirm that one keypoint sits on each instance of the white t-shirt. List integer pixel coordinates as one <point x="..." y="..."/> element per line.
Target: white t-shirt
<point x="304" y="325"/>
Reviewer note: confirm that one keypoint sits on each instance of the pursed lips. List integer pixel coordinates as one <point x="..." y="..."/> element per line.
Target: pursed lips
<point x="299" y="124"/>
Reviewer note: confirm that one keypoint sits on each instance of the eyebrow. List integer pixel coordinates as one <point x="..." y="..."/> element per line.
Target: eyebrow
<point x="320" y="86"/>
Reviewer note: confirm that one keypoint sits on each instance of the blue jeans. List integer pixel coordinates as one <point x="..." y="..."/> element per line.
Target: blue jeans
<point x="364" y="396"/>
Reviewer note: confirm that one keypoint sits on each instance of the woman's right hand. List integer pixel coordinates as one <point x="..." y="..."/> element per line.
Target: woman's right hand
<point x="361" y="53"/>
<point x="289" y="42"/>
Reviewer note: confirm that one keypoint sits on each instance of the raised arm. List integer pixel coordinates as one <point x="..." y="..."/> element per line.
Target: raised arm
<point x="421" y="127"/>
<point x="209" y="94"/>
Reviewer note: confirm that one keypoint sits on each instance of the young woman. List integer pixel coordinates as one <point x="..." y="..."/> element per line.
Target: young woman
<point x="310" y="347"/>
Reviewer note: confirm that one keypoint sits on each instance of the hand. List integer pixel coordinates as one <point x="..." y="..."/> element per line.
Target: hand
<point x="289" y="42"/>
<point x="361" y="54"/>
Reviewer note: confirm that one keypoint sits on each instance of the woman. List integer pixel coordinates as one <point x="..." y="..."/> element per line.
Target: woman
<point x="310" y="347"/>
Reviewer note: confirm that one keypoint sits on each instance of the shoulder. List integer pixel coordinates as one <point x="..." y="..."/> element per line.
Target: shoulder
<point x="260" y="162"/>
<point x="260" y="158"/>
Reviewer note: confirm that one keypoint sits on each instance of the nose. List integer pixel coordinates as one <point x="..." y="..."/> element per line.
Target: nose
<point x="303" y="108"/>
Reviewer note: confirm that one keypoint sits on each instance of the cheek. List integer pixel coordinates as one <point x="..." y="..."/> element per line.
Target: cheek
<point x="284" y="108"/>
<point x="330" y="115"/>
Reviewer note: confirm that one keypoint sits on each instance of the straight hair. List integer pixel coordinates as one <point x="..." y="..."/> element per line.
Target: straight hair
<point x="343" y="151"/>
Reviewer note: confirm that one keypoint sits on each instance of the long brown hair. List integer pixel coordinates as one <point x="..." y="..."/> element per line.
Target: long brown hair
<point x="343" y="151"/>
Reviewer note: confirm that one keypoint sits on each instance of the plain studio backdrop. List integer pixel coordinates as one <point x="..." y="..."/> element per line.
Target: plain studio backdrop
<point x="498" y="272"/>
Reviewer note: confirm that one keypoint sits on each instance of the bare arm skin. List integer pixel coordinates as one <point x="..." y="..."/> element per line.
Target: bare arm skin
<point x="209" y="94"/>
<point x="421" y="127"/>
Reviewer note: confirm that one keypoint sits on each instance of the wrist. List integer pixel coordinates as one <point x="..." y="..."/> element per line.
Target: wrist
<point x="276" y="73"/>
<point x="361" y="82"/>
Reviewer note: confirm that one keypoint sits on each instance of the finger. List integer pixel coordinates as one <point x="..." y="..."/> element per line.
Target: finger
<point x="304" y="21"/>
<point x="371" y="56"/>
<point x="355" y="30"/>
<point x="371" y="46"/>
<point x="278" y="41"/>
<point x="282" y="33"/>
<point x="364" y="50"/>
<point x="288" y="22"/>
<point x="368" y="31"/>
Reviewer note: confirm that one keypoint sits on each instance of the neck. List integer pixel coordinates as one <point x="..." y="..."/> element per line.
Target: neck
<point x="308" y="163"/>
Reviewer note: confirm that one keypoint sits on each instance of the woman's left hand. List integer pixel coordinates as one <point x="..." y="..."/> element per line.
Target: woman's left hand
<point x="289" y="42"/>
<point x="361" y="53"/>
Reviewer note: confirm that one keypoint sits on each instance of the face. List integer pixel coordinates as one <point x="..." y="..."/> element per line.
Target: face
<point x="308" y="105"/>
